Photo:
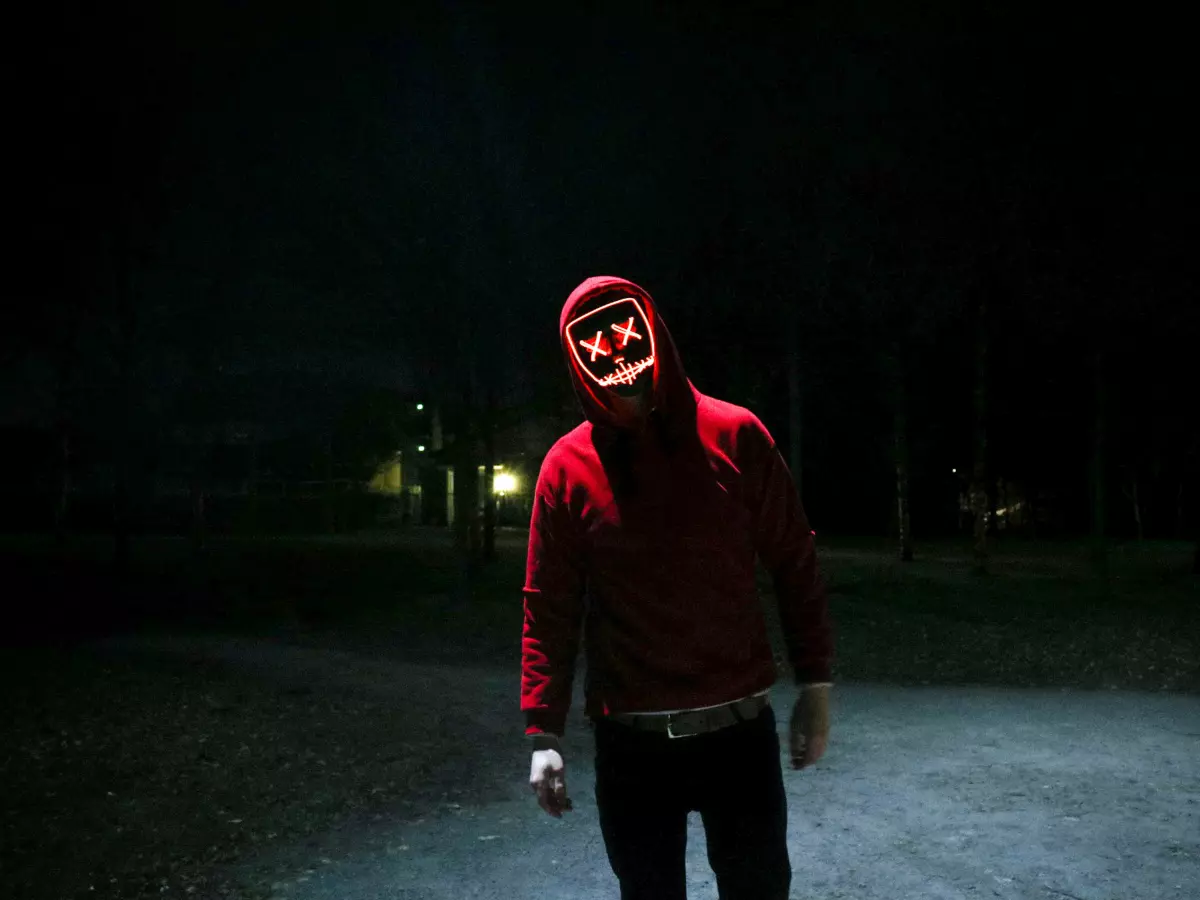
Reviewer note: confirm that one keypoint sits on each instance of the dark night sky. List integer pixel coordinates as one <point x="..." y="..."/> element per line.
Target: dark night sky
<point x="308" y="198"/>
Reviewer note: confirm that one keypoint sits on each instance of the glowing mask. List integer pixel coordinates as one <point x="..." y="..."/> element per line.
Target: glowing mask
<point x="614" y="346"/>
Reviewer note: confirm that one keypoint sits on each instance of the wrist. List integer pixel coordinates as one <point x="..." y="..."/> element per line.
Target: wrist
<point x="545" y="741"/>
<point x="813" y="690"/>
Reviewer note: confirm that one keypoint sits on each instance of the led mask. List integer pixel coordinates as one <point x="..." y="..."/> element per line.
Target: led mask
<point x="614" y="346"/>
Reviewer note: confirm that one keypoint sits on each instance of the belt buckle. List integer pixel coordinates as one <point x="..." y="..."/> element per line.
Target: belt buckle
<point x="672" y="734"/>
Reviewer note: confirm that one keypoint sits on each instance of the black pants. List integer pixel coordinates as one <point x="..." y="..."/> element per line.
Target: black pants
<point x="647" y="783"/>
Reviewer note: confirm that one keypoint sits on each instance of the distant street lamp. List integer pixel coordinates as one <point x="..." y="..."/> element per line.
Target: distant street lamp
<point x="420" y="448"/>
<point x="420" y="406"/>
<point x="504" y="483"/>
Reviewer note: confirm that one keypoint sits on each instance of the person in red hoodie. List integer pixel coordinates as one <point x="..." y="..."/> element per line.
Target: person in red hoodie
<point x="647" y="521"/>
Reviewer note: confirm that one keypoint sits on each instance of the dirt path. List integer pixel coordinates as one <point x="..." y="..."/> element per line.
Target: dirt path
<point x="928" y="792"/>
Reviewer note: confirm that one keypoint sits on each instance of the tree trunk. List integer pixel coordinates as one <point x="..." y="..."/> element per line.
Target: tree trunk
<point x="489" y="477"/>
<point x="63" y="503"/>
<point x="331" y="523"/>
<point x="979" y="487"/>
<point x="1031" y="511"/>
<point x="199" y="529"/>
<point x="1179" y="511"/>
<point x="1099" y="546"/>
<point x="123" y="445"/>
<point x="63" y="426"/>
<point x="900" y="452"/>
<point x="466" y="512"/>
<point x="466" y="464"/>
<point x="462" y="537"/>
<point x="197" y="483"/>
<point x="1137" y="508"/>
<point x="466" y="494"/>
<point x="252" y="518"/>
<point x="795" y="406"/>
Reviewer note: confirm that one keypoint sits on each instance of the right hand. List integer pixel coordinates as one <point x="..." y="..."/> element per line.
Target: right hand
<point x="547" y="778"/>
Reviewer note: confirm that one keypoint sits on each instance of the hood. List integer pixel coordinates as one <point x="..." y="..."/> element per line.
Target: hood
<point x="674" y="397"/>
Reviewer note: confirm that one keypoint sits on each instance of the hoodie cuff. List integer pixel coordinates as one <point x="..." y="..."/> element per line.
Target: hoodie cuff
<point x="543" y="722"/>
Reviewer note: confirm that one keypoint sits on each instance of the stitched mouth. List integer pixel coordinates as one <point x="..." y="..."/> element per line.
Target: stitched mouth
<point x="627" y="373"/>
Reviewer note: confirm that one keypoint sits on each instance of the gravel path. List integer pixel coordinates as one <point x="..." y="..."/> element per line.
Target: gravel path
<point x="925" y="792"/>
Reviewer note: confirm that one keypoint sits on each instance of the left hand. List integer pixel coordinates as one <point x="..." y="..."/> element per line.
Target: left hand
<point x="809" y="730"/>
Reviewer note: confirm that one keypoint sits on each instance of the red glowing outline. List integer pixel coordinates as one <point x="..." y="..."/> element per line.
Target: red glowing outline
<point x="595" y="348"/>
<point x="627" y="332"/>
<point x="626" y="373"/>
<point x="629" y="372"/>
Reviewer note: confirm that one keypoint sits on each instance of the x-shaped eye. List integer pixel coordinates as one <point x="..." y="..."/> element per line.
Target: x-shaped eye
<point x="626" y="332"/>
<point x="595" y="345"/>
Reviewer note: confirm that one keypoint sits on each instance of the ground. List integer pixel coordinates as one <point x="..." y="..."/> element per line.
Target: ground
<point x="1043" y="746"/>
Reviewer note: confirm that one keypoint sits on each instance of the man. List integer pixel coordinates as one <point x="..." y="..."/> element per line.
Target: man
<point x="646" y="522"/>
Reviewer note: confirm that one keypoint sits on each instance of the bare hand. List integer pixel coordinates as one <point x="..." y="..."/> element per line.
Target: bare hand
<point x="547" y="779"/>
<point x="809" y="730"/>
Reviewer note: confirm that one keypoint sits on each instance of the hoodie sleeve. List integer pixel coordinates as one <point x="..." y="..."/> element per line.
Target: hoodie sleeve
<point x="784" y="542"/>
<point x="554" y="610"/>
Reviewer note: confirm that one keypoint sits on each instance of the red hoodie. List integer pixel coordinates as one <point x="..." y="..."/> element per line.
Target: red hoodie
<point x="644" y="536"/>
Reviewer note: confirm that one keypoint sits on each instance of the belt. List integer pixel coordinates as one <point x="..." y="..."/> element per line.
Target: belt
<point x="695" y="721"/>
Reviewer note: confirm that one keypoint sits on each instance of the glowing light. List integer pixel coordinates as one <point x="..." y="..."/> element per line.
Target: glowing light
<point x="420" y="406"/>
<point x="595" y="347"/>
<point x="954" y="471"/>
<point x="420" y="448"/>
<point x="627" y="373"/>
<point x="504" y="483"/>
<point x="626" y="331"/>
<point x="613" y="371"/>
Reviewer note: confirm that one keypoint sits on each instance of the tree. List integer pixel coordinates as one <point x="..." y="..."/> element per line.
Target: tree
<point x="1130" y="489"/>
<point x="66" y="361"/>
<point x="489" y="474"/>
<point x="865" y="224"/>
<point x="795" y="401"/>
<point x="899" y="403"/>
<point x="371" y="427"/>
<point x="131" y="98"/>
<point x="979" y="471"/>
